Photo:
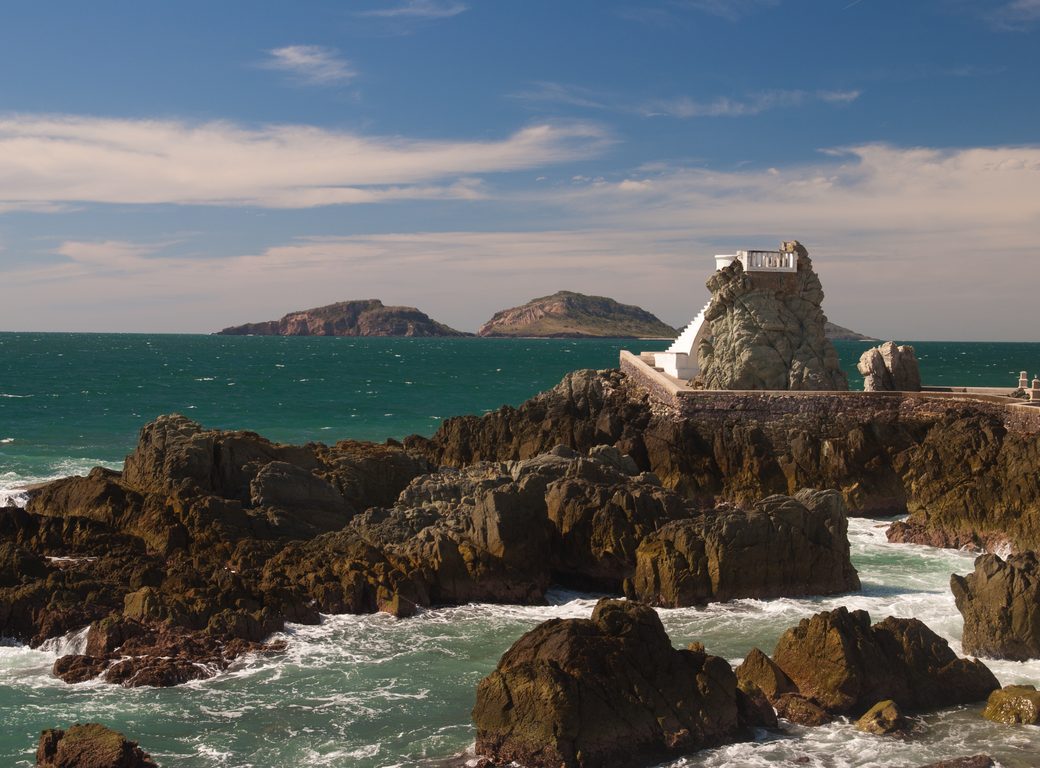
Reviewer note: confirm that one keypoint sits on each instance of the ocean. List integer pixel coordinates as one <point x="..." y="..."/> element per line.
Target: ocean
<point x="373" y="691"/>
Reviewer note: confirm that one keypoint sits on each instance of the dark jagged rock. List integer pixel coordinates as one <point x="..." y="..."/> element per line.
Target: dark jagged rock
<point x="768" y="331"/>
<point x="890" y="368"/>
<point x="1000" y="603"/>
<point x="843" y="664"/>
<point x="566" y="314"/>
<point x="91" y="745"/>
<point x="1014" y="705"/>
<point x="605" y="691"/>
<point x="782" y="546"/>
<point x="800" y="710"/>
<point x="366" y="317"/>
<point x="962" y="470"/>
<point x="883" y="719"/>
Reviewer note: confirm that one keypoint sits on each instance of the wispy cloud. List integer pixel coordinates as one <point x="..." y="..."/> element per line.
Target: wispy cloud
<point x="419" y="9"/>
<point x="49" y="160"/>
<point x="754" y="104"/>
<point x="1016" y="15"/>
<point x="731" y="10"/>
<point x="311" y="64"/>
<point x="559" y="93"/>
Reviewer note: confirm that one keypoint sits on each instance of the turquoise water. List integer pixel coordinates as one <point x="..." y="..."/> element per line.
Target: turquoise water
<point x="372" y="691"/>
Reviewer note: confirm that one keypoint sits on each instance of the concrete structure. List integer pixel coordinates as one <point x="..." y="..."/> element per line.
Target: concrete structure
<point x="1023" y="380"/>
<point x="680" y="359"/>
<point x="1034" y="393"/>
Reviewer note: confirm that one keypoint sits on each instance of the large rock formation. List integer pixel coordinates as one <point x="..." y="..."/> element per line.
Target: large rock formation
<point x="768" y="331"/>
<point x="890" y="368"/>
<point x="1000" y="603"/>
<point x="1014" y="705"/>
<point x="89" y="746"/>
<point x="840" y="663"/>
<point x="567" y="314"/>
<point x="605" y="691"/>
<point x="366" y="317"/>
<point x="781" y="546"/>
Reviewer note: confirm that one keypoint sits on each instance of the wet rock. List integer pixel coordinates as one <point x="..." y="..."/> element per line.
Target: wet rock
<point x="845" y="665"/>
<point x="883" y="719"/>
<point x="1000" y="603"/>
<point x="1014" y="705"/>
<point x="609" y="690"/>
<point x="890" y="368"/>
<point x="758" y="670"/>
<point x="768" y="331"/>
<point x="801" y="711"/>
<point x="976" y="761"/>
<point x="89" y="746"/>
<point x="780" y="547"/>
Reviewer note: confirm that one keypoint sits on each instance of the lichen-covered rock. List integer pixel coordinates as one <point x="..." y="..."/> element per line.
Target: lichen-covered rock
<point x="780" y="547"/>
<point x="1014" y="705"/>
<point x="768" y="331"/>
<point x="89" y="746"/>
<point x="890" y="368"/>
<point x="605" y="691"/>
<point x="1000" y="603"/>
<point x="883" y="719"/>
<point x="845" y="665"/>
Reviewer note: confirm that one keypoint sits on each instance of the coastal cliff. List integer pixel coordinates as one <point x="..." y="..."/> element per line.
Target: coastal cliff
<point x="572" y="315"/>
<point x="367" y="317"/>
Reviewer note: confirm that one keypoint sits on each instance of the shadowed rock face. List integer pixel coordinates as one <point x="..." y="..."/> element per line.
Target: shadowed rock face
<point x="89" y="746"/>
<point x="1000" y="603"/>
<point x="605" y="691"/>
<point x="963" y="476"/>
<point x="768" y="331"/>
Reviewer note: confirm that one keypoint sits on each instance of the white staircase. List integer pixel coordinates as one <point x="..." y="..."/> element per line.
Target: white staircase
<point x="680" y="359"/>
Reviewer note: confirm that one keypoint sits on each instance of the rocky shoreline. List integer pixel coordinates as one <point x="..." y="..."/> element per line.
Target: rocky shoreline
<point x="208" y="542"/>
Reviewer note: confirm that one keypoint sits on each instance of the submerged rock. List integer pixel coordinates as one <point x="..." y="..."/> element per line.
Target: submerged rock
<point x="975" y="761"/>
<point x="605" y="691"/>
<point x="890" y="368"/>
<point x="1000" y="603"/>
<point x="768" y="331"/>
<point x="1014" y="705"/>
<point x="842" y="664"/>
<point x="89" y="746"/>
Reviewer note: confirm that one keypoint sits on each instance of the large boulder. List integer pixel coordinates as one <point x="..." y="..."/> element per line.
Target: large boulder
<point x="1000" y="603"/>
<point x="89" y="746"/>
<point x="605" y="691"/>
<point x="840" y="662"/>
<point x="782" y="546"/>
<point x="768" y="331"/>
<point x="890" y="368"/>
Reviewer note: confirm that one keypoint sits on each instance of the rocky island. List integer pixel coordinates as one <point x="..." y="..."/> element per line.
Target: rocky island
<point x="566" y="314"/>
<point x="366" y="317"/>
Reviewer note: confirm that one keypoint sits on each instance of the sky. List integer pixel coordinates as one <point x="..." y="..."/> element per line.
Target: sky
<point x="181" y="167"/>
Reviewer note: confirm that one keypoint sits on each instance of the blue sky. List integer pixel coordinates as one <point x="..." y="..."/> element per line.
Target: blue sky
<point x="181" y="167"/>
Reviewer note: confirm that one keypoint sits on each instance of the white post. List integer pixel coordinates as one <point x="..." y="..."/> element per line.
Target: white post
<point x="1023" y="380"/>
<point x="1034" y="393"/>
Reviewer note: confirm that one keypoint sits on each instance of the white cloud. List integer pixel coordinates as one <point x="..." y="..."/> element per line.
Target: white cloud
<point x="49" y="160"/>
<point x="685" y="107"/>
<point x="311" y="64"/>
<point x="560" y="93"/>
<point x="422" y="9"/>
<point x="1016" y="15"/>
<point x="731" y="10"/>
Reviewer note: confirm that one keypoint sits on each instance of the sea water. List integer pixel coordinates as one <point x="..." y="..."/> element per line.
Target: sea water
<point x="374" y="691"/>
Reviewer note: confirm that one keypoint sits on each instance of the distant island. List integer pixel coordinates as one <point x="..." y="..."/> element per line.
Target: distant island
<point x="366" y="317"/>
<point x="838" y="333"/>
<point x="566" y="314"/>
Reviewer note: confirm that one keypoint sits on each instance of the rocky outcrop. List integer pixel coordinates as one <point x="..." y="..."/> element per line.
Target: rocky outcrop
<point x="781" y="546"/>
<point x="840" y="664"/>
<point x="890" y="368"/>
<point x="962" y="470"/>
<point x="836" y="332"/>
<point x="89" y="746"/>
<point x="609" y="690"/>
<point x="1014" y="705"/>
<point x="1000" y="603"/>
<point x="768" y="331"/>
<point x="883" y="719"/>
<point x="573" y="315"/>
<point x="368" y="317"/>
